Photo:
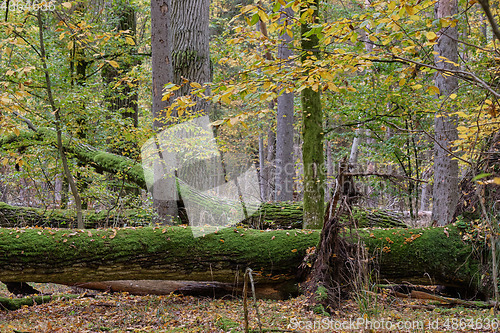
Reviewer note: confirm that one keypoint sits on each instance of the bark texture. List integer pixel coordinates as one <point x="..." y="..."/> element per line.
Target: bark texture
<point x="285" y="168"/>
<point x="189" y="25"/>
<point x="445" y="191"/>
<point x="163" y="190"/>
<point x="312" y="134"/>
<point x="161" y="59"/>
<point x="182" y="45"/>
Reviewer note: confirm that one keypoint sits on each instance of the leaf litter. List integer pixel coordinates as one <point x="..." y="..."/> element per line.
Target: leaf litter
<point x="121" y="312"/>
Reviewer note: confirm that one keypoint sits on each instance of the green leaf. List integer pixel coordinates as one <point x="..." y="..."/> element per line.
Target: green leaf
<point x="255" y="18"/>
<point x="481" y="176"/>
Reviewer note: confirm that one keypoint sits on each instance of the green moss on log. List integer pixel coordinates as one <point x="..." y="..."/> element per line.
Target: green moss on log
<point x="170" y="253"/>
<point x="13" y="216"/>
<point x="427" y="256"/>
<point x="432" y="255"/>
<point x="17" y="303"/>
<point x="269" y="215"/>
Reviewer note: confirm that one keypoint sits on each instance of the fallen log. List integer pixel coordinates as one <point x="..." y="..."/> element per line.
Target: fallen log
<point x="17" y="303"/>
<point x="265" y="215"/>
<point x="420" y="256"/>
<point x="189" y="288"/>
<point x="269" y="215"/>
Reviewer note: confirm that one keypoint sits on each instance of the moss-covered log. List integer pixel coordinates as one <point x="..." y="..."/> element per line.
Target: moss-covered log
<point x="14" y="216"/>
<point x="169" y="253"/>
<point x="267" y="215"/>
<point x="17" y="303"/>
<point x="432" y="255"/>
<point x="287" y="215"/>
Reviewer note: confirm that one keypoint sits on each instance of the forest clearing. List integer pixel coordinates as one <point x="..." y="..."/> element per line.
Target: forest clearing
<point x="249" y="166"/>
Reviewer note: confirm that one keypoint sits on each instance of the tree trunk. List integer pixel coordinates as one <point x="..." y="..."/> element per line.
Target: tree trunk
<point x="189" y="26"/>
<point x="421" y="256"/>
<point x="445" y="191"/>
<point x="312" y="133"/>
<point x="180" y="46"/>
<point x="262" y="170"/>
<point x="270" y="164"/>
<point x="285" y="169"/>
<point x="164" y="195"/>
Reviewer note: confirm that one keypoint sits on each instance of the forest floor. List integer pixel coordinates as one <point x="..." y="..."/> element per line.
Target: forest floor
<point x="120" y="312"/>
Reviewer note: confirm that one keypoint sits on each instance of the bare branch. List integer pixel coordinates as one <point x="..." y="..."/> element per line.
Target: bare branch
<point x="459" y="73"/>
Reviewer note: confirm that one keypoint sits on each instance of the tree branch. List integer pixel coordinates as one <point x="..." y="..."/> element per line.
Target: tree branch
<point x="459" y="73"/>
<point x="485" y="4"/>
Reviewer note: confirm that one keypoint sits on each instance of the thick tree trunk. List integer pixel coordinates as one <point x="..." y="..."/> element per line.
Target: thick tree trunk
<point x="180" y="45"/>
<point x="172" y="253"/>
<point x="164" y="199"/>
<point x="285" y="169"/>
<point x="312" y="133"/>
<point x="189" y="26"/>
<point x="445" y="191"/>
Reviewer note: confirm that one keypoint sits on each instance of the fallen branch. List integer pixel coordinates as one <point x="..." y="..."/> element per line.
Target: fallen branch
<point x="17" y="303"/>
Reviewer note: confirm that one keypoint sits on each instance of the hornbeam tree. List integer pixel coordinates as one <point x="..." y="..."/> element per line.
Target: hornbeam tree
<point x="445" y="191"/>
<point x="284" y="120"/>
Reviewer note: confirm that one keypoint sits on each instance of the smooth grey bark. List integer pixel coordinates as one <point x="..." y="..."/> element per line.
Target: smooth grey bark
<point x="285" y="169"/>
<point x="270" y="163"/>
<point x="330" y="170"/>
<point x="353" y="156"/>
<point x="164" y="200"/>
<point x="262" y="167"/>
<point x="161" y="59"/>
<point x="445" y="191"/>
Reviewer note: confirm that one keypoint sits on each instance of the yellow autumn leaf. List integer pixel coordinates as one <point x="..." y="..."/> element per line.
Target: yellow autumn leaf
<point x="431" y="36"/>
<point x="129" y="40"/>
<point x="66" y="5"/>
<point x="433" y="90"/>
<point x="225" y="99"/>
<point x="195" y="85"/>
<point x="409" y="10"/>
<point x="70" y="44"/>
<point x="113" y="63"/>
<point x="453" y="96"/>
